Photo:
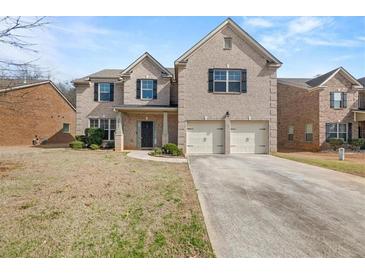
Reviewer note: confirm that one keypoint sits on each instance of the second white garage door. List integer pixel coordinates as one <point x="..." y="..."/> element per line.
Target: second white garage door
<point x="205" y="137"/>
<point x="249" y="137"/>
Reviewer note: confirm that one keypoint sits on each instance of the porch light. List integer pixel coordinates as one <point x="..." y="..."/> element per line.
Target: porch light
<point x="227" y="114"/>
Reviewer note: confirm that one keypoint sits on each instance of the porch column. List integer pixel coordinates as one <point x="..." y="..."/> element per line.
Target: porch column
<point x="165" y="131"/>
<point x="119" y="136"/>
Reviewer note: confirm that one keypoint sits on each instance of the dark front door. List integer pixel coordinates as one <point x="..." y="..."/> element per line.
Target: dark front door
<point x="147" y="134"/>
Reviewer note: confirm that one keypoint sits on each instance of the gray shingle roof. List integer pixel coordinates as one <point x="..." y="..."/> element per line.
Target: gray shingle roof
<point x="362" y="81"/>
<point x="298" y="82"/>
<point x="320" y="79"/>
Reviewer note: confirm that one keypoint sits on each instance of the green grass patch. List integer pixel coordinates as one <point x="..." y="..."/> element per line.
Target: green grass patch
<point x="342" y="166"/>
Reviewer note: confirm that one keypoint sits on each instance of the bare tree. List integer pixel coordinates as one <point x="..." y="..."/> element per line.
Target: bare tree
<point x="14" y="33"/>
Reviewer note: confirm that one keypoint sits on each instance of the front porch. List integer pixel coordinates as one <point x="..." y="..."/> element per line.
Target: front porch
<point x="145" y="127"/>
<point x="359" y="117"/>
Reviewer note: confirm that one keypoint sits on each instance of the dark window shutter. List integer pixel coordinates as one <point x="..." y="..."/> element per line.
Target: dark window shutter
<point x="210" y="80"/>
<point x="349" y="132"/>
<point x="332" y="104"/>
<point x="111" y="91"/>
<point x="96" y="86"/>
<point x="344" y="100"/>
<point x="244" y="80"/>
<point x="138" y="90"/>
<point x="327" y="131"/>
<point x="154" y="89"/>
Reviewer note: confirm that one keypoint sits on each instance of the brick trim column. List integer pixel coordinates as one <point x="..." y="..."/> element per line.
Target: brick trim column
<point x="119" y="135"/>
<point x="165" y="129"/>
<point x="227" y="135"/>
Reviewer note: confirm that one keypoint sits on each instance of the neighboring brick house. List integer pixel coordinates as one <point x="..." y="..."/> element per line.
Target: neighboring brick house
<point x="223" y="98"/>
<point x="312" y="111"/>
<point x="35" y="109"/>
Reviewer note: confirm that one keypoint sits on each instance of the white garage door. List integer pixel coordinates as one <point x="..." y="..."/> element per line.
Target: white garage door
<point x="205" y="137"/>
<point x="249" y="137"/>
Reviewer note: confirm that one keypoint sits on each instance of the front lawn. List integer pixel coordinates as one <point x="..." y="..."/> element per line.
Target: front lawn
<point x="65" y="203"/>
<point x="354" y="162"/>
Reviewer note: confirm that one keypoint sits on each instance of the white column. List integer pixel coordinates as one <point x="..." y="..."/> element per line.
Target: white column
<point x="119" y="136"/>
<point x="165" y="131"/>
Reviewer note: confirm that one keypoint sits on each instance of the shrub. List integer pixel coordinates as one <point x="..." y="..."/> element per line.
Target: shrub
<point x="81" y="138"/>
<point x="94" y="136"/>
<point x="94" y="146"/>
<point x="336" y="143"/>
<point x="77" y="145"/>
<point x="358" y="143"/>
<point x="157" y="152"/>
<point x="171" y="149"/>
<point x="108" y="144"/>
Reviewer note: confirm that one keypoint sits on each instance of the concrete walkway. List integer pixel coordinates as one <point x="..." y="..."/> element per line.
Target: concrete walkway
<point x="264" y="206"/>
<point x="143" y="155"/>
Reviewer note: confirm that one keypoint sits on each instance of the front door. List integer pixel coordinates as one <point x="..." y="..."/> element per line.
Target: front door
<point x="146" y="134"/>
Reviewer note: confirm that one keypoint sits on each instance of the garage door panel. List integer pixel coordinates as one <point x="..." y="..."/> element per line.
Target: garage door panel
<point x="249" y="137"/>
<point x="205" y="137"/>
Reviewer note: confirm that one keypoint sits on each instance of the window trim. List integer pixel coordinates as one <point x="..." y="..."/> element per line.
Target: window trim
<point x="99" y="91"/>
<point x="142" y="98"/>
<point x="63" y="128"/>
<point x="290" y="127"/>
<point x="109" y="129"/>
<point x="338" y="131"/>
<point x="340" y="101"/>
<point x="306" y="133"/>
<point x="224" y="43"/>
<point x="227" y="81"/>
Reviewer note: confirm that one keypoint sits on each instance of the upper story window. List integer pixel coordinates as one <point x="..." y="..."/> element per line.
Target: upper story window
<point x="227" y="43"/>
<point x="362" y="100"/>
<point x="226" y="80"/>
<point x="338" y="100"/>
<point x="103" y="92"/>
<point x="146" y="89"/>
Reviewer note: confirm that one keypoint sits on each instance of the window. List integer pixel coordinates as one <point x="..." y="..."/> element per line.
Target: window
<point x="105" y="92"/>
<point x="66" y="128"/>
<point x="338" y="100"/>
<point x="227" y="81"/>
<point x="94" y="122"/>
<point x="147" y="89"/>
<point x="309" y="133"/>
<point x="336" y="131"/>
<point x="227" y="43"/>
<point x="290" y="133"/>
<point x="107" y="125"/>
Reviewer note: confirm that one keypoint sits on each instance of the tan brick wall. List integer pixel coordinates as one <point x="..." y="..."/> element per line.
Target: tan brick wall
<point x="37" y="110"/>
<point x="195" y="102"/>
<point x="130" y="122"/>
<point x="330" y="115"/>
<point x="147" y="70"/>
<point x="87" y="108"/>
<point x="297" y="107"/>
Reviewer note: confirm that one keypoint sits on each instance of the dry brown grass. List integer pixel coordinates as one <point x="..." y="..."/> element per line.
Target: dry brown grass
<point x="65" y="203"/>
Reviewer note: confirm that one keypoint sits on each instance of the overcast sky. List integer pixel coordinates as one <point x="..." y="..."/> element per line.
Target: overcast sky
<point x="72" y="47"/>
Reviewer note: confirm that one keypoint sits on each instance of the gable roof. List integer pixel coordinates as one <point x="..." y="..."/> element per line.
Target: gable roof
<point x="229" y="22"/>
<point x="362" y="81"/>
<point x="141" y="58"/>
<point x="10" y="83"/>
<point x="320" y="81"/>
<point x="38" y="84"/>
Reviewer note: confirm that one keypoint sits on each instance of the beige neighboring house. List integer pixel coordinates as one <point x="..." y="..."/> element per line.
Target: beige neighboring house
<point x="221" y="97"/>
<point x="312" y="111"/>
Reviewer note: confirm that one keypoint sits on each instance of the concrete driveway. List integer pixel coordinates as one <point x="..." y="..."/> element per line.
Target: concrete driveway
<point x="264" y="206"/>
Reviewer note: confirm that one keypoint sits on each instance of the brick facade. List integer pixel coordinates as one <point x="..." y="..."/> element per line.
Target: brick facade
<point x="36" y="110"/>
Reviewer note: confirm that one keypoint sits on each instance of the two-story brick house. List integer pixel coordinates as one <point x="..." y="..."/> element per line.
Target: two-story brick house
<point x="312" y="111"/>
<point x="221" y="97"/>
